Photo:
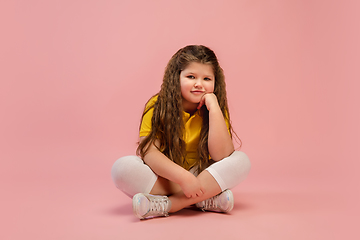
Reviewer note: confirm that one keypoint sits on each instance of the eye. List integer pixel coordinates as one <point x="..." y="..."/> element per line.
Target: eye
<point x="190" y="77"/>
<point x="207" y="79"/>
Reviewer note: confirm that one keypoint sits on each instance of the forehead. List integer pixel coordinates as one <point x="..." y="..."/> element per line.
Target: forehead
<point x="199" y="68"/>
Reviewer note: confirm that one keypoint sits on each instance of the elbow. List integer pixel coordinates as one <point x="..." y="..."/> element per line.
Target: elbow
<point x="220" y="154"/>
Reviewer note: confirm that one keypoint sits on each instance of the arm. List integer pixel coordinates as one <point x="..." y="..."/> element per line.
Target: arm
<point x="219" y="142"/>
<point x="166" y="168"/>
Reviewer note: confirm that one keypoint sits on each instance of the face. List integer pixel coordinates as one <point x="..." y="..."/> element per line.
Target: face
<point x="196" y="80"/>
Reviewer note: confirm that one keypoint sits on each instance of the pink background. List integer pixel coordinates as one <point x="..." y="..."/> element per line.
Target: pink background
<point x="75" y="75"/>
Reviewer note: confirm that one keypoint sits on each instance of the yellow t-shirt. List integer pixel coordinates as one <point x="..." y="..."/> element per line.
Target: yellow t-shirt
<point x="192" y="130"/>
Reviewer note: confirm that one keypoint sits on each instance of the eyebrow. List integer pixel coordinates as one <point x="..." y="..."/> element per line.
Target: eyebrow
<point x="209" y="76"/>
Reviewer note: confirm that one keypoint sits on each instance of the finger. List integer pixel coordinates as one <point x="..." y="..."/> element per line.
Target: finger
<point x="202" y="102"/>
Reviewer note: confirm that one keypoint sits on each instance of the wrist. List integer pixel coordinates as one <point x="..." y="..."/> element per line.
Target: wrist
<point x="214" y="108"/>
<point x="213" y="103"/>
<point x="186" y="177"/>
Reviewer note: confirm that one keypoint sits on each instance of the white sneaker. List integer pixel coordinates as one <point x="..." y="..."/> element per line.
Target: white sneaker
<point x="149" y="206"/>
<point x="223" y="202"/>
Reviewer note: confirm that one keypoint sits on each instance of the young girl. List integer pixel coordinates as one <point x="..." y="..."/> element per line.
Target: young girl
<point x="186" y="153"/>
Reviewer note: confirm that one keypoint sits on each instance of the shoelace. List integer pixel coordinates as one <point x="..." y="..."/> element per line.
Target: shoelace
<point x="210" y="204"/>
<point x="158" y="207"/>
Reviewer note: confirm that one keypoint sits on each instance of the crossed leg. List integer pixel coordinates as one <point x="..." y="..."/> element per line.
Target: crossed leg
<point x="132" y="176"/>
<point x="178" y="198"/>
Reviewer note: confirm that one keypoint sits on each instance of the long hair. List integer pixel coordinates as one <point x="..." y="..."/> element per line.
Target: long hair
<point x="167" y="120"/>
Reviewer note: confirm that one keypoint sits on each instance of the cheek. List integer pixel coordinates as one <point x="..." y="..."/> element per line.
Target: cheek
<point x="210" y="87"/>
<point x="185" y="85"/>
<point x="183" y="88"/>
<point x="181" y="85"/>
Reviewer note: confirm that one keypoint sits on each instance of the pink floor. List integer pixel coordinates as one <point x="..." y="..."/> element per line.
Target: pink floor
<point x="71" y="205"/>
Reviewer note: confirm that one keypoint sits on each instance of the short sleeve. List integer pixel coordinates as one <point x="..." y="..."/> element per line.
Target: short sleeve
<point x="227" y="122"/>
<point x="145" y="127"/>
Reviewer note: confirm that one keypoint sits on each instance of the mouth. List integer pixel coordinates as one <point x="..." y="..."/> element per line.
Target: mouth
<point x="197" y="92"/>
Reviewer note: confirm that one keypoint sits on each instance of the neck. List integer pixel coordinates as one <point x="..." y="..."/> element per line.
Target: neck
<point x="190" y="108"/>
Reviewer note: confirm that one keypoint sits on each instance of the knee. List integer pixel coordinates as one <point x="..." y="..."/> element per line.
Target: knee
<point x="241" y="163"/>
<point x="120" y="168"/>
<point x="231" y="170"/>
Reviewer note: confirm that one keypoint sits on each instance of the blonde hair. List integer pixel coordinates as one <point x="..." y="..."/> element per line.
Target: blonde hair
<point x="167" y="122"/>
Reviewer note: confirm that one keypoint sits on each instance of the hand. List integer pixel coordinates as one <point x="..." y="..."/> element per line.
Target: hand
<point x="191" y="186"/>
<point x="209" y="100"/>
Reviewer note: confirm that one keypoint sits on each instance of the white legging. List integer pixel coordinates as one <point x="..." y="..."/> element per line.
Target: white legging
<point x="131" y="175"/>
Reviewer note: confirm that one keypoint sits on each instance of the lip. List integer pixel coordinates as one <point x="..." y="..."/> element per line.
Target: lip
<point x="197" y="92"/>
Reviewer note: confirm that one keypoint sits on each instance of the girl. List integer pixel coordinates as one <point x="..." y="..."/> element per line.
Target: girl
<point x="186" y="153"/>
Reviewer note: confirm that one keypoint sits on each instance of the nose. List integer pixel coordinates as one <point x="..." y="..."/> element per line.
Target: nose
<point x="198" y="83"/>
